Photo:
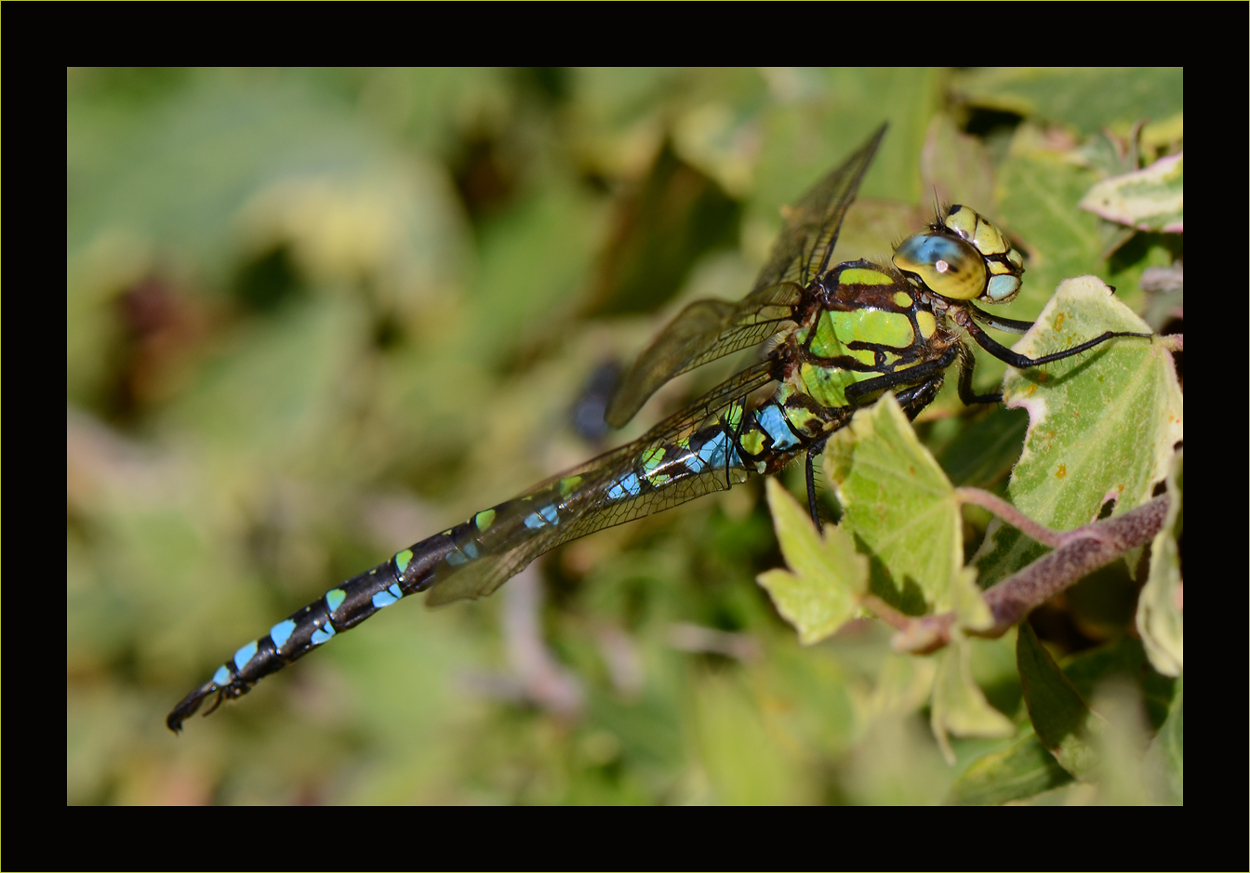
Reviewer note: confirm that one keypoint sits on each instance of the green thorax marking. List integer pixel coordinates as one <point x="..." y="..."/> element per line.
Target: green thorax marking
<point x="874" y="323"/>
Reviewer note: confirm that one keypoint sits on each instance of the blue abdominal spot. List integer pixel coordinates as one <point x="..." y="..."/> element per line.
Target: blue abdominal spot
<point x="281" y="632"/>
<point x="627" y="487"/>
<point x="245" y="654"/>
<point x="774" y="424"/>
<point x="545" y="515"/>
<point x="719" y="452"/>
<point x="386" y="598"/>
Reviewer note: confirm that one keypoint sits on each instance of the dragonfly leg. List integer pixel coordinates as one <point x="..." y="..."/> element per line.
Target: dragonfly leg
<point x="1010" y="325"/>
<point x="914" y="400"/>
<point x="920" y="375"/>
<point x="1023" y="362"/>
<point x="967" y="364"/>
<point x="812" y="507"/>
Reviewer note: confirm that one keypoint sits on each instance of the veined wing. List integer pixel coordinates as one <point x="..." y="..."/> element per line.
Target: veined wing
<point x="660" y="470"/>
<point x="703" y="331"/>
<point x="803" y="250"/>
<point x="708" y="329"/>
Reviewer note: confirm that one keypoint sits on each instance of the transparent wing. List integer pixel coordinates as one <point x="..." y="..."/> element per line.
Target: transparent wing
<point x="703" y="331"/>
<point x="805" y="246"/>
<point x="589" y="498"/>
<point x="708" y="329"/>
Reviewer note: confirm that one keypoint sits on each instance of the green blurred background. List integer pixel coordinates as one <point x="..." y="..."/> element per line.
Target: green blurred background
<point x="313" y="316"/>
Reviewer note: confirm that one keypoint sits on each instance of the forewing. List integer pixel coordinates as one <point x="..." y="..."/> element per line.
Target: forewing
<point x="803" y="250"/>
<point x="709" y="329"/>
<point x="703" y="331"/>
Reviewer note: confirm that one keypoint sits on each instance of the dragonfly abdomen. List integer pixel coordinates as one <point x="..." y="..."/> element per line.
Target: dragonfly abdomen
<point x="341" y="608"/>
<point x="473" y="558"/>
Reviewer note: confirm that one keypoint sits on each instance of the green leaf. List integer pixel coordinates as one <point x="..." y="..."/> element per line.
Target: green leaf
<point x="1160" y="610"/>
<point x="959" y="707"/>
<point x="1113" y="667"/>
<point x="1152" y="199"/>
<point x="1087" y="99"/>
<point x="902" y="511"/>
<point x="1024" y="769"/>
<point x="1102" y="424"/>
<point x="1166" y="755"/>
<point x="1040" y="192"/>
<point x="1060" y="716"/>
<point x="823" y="592"/>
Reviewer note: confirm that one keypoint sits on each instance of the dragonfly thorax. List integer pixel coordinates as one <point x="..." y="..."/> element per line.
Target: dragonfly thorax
<point x="864" y="325"/>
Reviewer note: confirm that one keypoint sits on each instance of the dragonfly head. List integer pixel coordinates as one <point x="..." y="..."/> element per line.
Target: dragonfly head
<point x="963" y="256"/>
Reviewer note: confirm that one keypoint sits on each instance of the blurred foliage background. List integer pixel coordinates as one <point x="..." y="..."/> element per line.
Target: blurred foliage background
<point x="313" y="316"/>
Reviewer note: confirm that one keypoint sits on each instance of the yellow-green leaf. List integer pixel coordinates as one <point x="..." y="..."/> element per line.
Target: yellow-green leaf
<point x="1150" y="199"/>
<point x="901" y="510"/>
<point x="821" y="594"/>
<point x="1102" y="424"/>
<point x="959" y="706"/>
<point x="1160" y="609"/>
<point x="1023" y="769"/>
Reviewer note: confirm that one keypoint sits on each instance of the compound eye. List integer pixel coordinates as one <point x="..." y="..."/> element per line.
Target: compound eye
<point x="948" y="266"/>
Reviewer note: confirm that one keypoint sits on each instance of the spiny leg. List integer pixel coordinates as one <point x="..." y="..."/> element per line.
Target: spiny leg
<point x="920" y="373"/>
<point x="914" y="400"/>
<point x="1023" y="362"/>
<point x="990" y="319"/>
<point x="812" y="451"/>
<point x="967" y="364"/>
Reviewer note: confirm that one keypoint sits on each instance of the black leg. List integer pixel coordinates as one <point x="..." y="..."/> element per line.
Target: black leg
<point x="811" y="484"/>
<point x="967" y="364"/>
<point x="914" y="400"/>
<point x="1022" y="362"/>
<point x="920" y="373"/>
<point x="989" y="319"/>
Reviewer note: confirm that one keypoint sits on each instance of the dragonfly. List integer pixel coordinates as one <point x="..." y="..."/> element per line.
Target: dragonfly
<point x="841" y="336"/>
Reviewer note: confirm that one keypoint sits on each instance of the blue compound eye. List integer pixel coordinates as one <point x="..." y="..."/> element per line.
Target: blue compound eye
<point x="948" y="266"/>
